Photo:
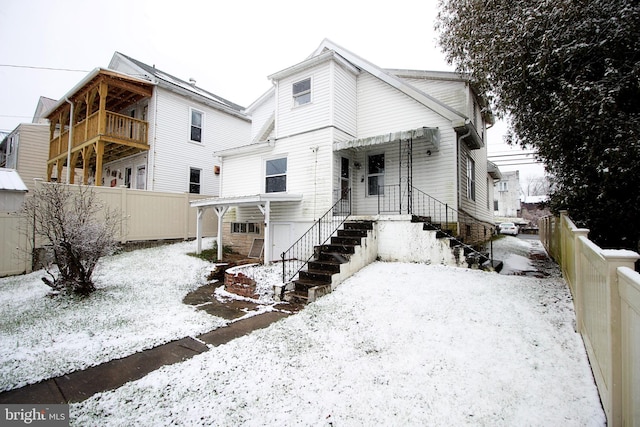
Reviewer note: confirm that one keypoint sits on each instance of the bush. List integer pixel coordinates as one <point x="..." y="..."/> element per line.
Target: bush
<point x="78" y="230"/>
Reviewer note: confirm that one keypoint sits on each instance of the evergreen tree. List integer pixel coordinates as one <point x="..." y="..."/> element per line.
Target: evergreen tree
<point x="567" y="75"/>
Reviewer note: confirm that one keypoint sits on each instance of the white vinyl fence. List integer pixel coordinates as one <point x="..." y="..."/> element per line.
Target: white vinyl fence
<point x="146" y="215"/>
<point x="606" y="295"/>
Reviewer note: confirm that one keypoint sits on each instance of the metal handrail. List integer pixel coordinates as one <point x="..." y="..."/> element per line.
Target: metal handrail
<point x="429" y="209"/>
<point x="300" y="253"/>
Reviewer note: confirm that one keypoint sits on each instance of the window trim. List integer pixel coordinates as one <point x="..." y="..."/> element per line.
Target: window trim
<point x="286" y="172"/>
<point x="378" y="174"/>
<point x="199" y="183"/>
<point x="191" y="125"/>
<point x="295" y="96"/>
<point x="471" y="179"/>
<point x="245" y="228"/>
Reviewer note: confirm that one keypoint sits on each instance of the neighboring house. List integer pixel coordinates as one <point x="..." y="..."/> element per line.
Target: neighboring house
<point x="139" y="127"/>
<point x="12" y="190"/>
<point x="25" y="149"/>
<point x="507" y="194"/>
<point x="533" y="209"/>
<point x="392" y="142"/>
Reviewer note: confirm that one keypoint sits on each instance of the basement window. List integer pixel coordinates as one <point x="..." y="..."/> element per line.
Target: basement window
<point x="245" y="228"/>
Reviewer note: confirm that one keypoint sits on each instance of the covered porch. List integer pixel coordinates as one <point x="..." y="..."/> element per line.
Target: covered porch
<point x="221" y="205"/>
<point x="379" y="170"/>
<point x="88" y="129"/>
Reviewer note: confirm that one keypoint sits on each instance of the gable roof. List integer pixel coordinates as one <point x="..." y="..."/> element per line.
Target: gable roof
<point x="456" y="117"/>
<point x="44" y="105"/>
<point x="176" y="84"/>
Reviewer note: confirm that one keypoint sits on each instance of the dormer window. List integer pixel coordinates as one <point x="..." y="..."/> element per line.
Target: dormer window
<point x="302" y="92"/>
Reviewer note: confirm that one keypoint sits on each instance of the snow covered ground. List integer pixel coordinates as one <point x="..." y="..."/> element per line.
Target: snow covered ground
<point x="396" y="344"/>
<point x="138" y="305"/>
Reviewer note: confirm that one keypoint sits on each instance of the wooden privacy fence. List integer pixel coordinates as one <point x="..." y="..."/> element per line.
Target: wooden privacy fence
<point x="146" y="215"/>
<point x="606" y="295"/>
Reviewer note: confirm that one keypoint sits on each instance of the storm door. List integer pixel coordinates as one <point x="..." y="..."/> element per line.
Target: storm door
<point x="345" y="182"/>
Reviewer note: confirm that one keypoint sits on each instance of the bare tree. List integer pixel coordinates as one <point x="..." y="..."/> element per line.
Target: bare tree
<point x="77" y="230"/>
<point x="537" y="186"/>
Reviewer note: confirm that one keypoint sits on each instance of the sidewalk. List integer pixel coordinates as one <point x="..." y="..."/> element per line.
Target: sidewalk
<point x="80" y="385"/>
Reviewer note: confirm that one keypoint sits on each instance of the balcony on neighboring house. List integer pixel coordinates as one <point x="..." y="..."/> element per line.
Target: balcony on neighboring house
<point x="100" y="133"/>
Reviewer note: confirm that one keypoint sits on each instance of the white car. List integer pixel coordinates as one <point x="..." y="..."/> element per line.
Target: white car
<point x="508" y="228"/>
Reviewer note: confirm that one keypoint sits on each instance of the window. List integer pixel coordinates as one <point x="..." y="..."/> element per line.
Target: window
<point x="196" y="125"/>
<point x="302" y="92"/>
<point x="502" y="186"/>
<point x="276" y="176"/>
<point x="375" y="174"/>
<point x="471" y="179"/>
<point x="141" y="177"/>
<point x="194" y="180"/>
<point x="127" y="177"/>
<point x="244" y="227"/>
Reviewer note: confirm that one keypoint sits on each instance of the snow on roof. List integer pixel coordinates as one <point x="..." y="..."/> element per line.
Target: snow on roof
<point x="10" y="180"/>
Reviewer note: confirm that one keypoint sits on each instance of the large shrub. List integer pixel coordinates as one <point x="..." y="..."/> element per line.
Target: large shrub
<point x="76" y="229"/>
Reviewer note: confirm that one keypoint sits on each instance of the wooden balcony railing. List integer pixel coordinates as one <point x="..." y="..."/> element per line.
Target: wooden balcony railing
<point x="118" y="129"/>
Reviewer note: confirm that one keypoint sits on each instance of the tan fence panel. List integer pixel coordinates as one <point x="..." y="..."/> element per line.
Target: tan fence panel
<point x="606" y="294"/>
<point x="14" y="245"/>
<point x="629" y="285"/>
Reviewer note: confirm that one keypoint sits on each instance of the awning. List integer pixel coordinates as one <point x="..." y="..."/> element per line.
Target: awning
<point x="429" y="136"/>
<point x="222" y="204"/>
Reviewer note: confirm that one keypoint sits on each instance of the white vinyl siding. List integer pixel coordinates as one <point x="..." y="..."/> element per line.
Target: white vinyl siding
<point x="294" y="120"/>
<point x="345" y="100"/>
<point x="31" y="152"/>
<point x="168" y="160"/>
<point x="382" y="109"/>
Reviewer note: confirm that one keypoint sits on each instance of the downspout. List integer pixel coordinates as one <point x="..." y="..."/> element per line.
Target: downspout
<point x="70" y="141"/>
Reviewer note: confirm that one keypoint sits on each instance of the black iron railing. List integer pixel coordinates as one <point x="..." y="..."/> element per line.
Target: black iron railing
<point x="300" y="253"/>
<point x="457" y="225"/>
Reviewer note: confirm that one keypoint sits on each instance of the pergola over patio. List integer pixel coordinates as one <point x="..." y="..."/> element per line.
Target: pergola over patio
<point x="222" y="204"/>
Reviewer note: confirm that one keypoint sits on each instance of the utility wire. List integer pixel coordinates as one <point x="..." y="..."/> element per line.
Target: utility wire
<point x="43" y="68"/>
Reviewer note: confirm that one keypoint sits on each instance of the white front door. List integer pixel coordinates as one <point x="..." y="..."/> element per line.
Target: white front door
<point x="280" y="240"/>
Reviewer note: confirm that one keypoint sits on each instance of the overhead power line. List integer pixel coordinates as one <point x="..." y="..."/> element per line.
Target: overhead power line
<point x="43" y="68"/>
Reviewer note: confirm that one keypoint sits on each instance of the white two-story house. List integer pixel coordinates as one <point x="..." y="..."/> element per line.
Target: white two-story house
<point x="401" y="143"/>
<point x="136" y="126"/>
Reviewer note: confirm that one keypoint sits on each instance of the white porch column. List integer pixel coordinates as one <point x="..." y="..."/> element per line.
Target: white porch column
<point x="220" y="211"/>
<point x="199" y="214"/>
<point x="266" y="211"/>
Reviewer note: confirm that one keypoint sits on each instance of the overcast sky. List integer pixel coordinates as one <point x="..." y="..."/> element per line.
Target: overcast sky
<point x="229" y="47"/>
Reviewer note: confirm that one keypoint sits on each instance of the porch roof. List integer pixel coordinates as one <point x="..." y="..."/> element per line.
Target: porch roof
<point x="221" y="204"/>
<point x="430" y="136"/>
<point x="255" y="199"/>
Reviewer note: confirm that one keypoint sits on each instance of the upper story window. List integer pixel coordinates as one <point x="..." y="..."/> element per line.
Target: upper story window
<point x="471" y="179"/>
<point x="197" y="120"/>
<point x="375" y="174"/>
<point x="302" y="92"/>
<point x="276" y="176"/>
<point x="194" y="180"/>
<point x="502" y="186"/>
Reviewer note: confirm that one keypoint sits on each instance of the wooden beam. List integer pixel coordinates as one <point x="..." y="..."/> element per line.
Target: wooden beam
<point x="99" y="147"/>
